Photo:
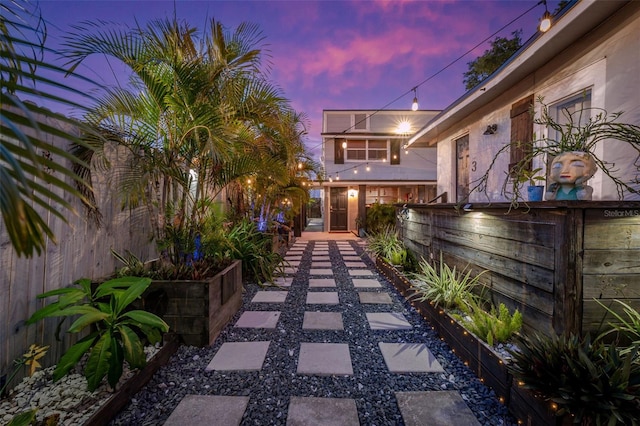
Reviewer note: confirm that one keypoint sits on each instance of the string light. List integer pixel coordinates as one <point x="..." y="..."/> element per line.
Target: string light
<point x="414" y="105"/>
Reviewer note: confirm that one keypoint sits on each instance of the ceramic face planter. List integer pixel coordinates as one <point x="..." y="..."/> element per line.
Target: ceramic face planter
<point x="568" y="174"/>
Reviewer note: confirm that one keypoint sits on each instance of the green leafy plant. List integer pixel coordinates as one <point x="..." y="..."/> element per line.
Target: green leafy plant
<point x="494" y="326"/>
<point x="526" y="175"/>
<point x="386" y="244"/>
<point x="114" y="335"/>
<point x="444" y="285"/>
<point x="588" y="380"/>
<point x="627" y="326"/>
<point x="254" y="249"/>
<point x="380" y="217"/>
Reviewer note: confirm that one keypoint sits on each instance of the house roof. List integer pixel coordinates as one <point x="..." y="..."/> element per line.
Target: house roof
<point x="580" y="18"/>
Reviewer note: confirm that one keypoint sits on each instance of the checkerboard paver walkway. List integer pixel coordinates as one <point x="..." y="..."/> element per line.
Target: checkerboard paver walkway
<point x="335" y="282"/>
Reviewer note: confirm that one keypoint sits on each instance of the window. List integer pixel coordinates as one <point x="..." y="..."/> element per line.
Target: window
<point x="367" y="150"/>
<point x="360" y="122"/>
<point x="575" y="109"/>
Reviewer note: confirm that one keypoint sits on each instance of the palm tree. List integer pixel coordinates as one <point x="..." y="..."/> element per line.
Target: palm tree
<point x="192" y="113"/>
<point x="35" y="172"/>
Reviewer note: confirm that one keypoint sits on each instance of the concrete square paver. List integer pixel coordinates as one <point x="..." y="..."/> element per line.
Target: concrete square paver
<point x="387" y="321"/>
<point x="322" y="298"/>
<point x="269" y="297"/>
<point x="315" y="258"/>
<point x="409" y="358"/>
<point x="434" y="408"/>
<point x="313" y="411"/>
<point x="347" y="252"/>
<point x="322" y="321"/>
<point x="292" y="263"/>
<point x="283" y="281"/>
<point x="315" y="264"/>
<point x="355" y="264"/>
<point x="320" y="253"/>
<point x="360" y="273"/>
<point x="373" y="297"/>
<point x="322" y="282"/>
<point x="239" y="356"/>
<point x="293" y="258"/>
<point x="295" y="253"/>
<point x="366" y="283"/>
<point x="323" y="271"/>
<point x="351" y="258"/>
<point x="290" y="270"/>
<point x="208" y="410"/>
<point x="324" y="359"/>
<point x="258" y="319"/>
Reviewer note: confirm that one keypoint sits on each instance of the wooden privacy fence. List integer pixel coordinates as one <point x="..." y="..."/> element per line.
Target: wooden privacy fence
<point x="82" y="251"/>
<point x="550" y="261"/>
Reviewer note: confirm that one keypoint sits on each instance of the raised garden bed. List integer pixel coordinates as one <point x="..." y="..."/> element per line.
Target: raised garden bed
<point x="487" y="364"/>
<point x="196" y="310"/>
<point x="123" y="395"/>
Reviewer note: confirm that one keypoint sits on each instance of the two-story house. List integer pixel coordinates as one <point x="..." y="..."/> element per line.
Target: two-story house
<point x="365" y="161"/>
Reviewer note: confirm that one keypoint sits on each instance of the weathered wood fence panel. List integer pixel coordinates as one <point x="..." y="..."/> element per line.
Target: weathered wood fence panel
<point x="82" y="250"/>
<point x="548" y="261"/>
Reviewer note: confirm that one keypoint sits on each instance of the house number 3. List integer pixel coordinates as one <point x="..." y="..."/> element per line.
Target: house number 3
<point x="473" y="166"/>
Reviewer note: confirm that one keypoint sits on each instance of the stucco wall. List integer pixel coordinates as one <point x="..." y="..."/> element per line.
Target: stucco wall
<point x="606" y="60"/>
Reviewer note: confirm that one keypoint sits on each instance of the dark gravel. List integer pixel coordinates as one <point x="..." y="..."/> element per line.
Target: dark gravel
<point x="371" y="385"/>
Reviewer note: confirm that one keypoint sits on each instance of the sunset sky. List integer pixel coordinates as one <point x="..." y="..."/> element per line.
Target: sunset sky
<point x="336" y="54"/>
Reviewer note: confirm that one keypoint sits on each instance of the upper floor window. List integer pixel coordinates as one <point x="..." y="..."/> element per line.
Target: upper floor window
<point x="360" y="122"/>
<point x="367" y="150"/>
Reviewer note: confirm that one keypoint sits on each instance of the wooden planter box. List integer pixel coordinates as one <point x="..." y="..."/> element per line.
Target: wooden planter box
<point x="490" y="368"/>
<point x="124" y="394"/>
<point x="196" y="310"/>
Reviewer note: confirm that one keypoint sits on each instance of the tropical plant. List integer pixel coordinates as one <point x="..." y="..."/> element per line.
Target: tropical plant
<point x="627" y="327"/>
<point x="531" y="177"/>
<point x="38" y="176"/>
<point x="379" y="217"/>
<point x="198" y="116"/>
<point x="584" y="130"/>
<point x="444" y="285"/>
<point x="254" y="249"/>
<point x="587" y="380"/>
<point x="386" y="244"/>
<point x="115" y="329"/>
<point x="493" y="326"/>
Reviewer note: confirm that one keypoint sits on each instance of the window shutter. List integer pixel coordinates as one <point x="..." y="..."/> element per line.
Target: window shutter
<point x="395" y="151"/>
<point x="339" y="151"/>
<point x="521" y="130"/>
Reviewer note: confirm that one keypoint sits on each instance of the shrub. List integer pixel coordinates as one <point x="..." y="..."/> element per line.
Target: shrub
<point x="254" y="248"/>
<point x="627" y="327"/>
<point x="114" y="335"/>
<point x="379" y="217"/>
<point x="387" y="245"/>
<point x="582" y="378"/>
<point x="492" y="327"/>
<point x="443" y="286"/>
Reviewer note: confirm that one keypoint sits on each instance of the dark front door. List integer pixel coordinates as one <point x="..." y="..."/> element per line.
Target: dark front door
<point x="338" y="215"/>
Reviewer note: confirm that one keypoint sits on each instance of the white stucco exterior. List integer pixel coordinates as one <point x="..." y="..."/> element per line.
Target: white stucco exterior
<point x="594" y="46"/>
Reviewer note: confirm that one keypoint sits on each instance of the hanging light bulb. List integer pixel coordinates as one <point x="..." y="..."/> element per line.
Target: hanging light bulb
<point x="330" y="178"/>
<point x="337" y="176"/>
<point x="355" y="171"/>
<point x="367" y="168"/>
<point x="344" y="145"/>
<point x="414" y="105"/>
<point x="300" y="165"/>
<point x="545" y="22"/>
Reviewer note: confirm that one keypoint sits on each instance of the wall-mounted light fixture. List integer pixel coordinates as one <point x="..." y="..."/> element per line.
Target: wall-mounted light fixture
<point x="344" y="145"/>
<point x="545" y="22"/>
<point x="414" y="104"/>
<point x="491" y="129"/>
<point x="352" y="193"/>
